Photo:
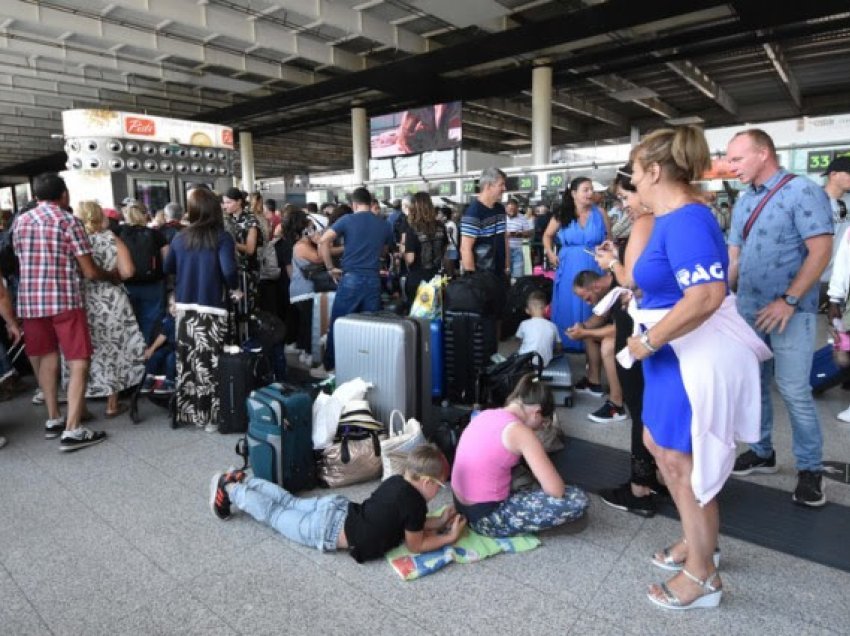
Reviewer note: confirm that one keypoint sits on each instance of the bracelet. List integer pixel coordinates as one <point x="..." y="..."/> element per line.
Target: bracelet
<point x="644" y="340"/>
<point x="612" y="264"/>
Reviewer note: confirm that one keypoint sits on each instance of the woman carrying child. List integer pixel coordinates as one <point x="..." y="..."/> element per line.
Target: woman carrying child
<point x="494" y="442"/>
<point x="396" y="512"/>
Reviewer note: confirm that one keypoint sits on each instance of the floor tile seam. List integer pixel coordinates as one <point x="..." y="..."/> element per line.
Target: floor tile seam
<point x="26" y="598"/>
<point x="98" y="517"/>
<point x="204" y="604"/>
<point x="339" y="575"/>
<point x="807" y="618"/>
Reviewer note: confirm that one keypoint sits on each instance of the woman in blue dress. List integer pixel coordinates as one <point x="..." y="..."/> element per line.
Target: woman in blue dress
<point x="695" y="394"/>
<point x="579" y="226"/>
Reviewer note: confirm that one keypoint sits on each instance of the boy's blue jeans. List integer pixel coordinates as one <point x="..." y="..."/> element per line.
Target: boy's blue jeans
<point x="163" y="362"/>
<point x="314" y="521"/>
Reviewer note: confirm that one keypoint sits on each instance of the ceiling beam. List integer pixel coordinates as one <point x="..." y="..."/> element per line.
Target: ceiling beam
<point x="789" y="82"/>
<point x="621" y="89"/>
<point x="689" y="72"/>
<point x="562" y="99"/>
<point x="512" y="109"/>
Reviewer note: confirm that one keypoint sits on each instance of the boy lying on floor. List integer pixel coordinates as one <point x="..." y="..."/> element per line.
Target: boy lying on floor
<point x="395" y="513"/>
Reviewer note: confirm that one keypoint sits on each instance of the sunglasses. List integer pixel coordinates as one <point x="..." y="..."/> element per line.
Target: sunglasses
<point x="437" y="481"/>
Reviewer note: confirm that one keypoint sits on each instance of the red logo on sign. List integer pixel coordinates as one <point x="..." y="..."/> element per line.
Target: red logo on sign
<point x="140" y="126"/>
<point x="227" y="137"/>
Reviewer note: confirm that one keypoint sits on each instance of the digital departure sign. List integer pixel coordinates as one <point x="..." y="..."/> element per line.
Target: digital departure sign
<point x="556" y="180"/>
<point x="521" y="183"/>
<point x="443" y="188"/>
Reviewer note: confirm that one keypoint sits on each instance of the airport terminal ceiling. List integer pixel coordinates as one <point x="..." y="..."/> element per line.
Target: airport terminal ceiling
<point x="290" y="70"/>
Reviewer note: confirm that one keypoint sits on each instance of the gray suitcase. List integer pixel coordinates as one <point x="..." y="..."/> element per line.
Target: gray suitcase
<point x="391" y="352"/>
<point x="560" y="380"/>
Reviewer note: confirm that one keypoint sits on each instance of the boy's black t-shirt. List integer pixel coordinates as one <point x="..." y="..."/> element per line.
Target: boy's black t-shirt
<point x="378" y="524"/>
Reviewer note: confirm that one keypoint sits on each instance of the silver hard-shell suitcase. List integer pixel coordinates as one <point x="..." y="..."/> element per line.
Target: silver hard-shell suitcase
<point x="391" y="352"/>
<point x="560" y="380"/>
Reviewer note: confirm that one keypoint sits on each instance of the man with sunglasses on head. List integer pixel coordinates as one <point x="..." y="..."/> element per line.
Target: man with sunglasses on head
<point x="837" y="185"/>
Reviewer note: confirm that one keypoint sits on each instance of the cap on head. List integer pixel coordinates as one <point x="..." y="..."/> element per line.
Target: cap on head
<point x="839" y="164"/>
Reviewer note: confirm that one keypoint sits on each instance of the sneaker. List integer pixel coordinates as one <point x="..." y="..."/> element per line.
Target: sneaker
<point x="3" y="441"/>
<point x="164" y="387"/>
<point x="809" y="491"/>
<point x="211" y="428"/>
<point x="319" y="372"/>
<point x="54" y="428"/>
<point x="80" y="438"/>
<point x="148" y="384"/>
<point x="623" y="498"/>
<point x="749" y="463"/>
<point x="291" y="348"/>
<point x="844" y="416"/>
<point x="219" y="499"/>
<point x="586" y="386"/>
<point x="608" y="412"/>
<point x="38" y="397"/>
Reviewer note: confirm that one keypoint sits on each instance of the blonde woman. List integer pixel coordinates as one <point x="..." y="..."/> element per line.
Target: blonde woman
<point x="117" y="361"/>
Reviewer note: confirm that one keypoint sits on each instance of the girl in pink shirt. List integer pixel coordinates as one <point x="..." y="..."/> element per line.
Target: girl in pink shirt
<point x="493" y="443"/>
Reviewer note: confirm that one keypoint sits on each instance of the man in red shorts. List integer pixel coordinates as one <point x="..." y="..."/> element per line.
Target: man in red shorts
<point x="53" y="249"/>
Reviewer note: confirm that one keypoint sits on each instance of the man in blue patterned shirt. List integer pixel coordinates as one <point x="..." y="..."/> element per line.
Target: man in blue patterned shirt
<point x="776" y="261"/>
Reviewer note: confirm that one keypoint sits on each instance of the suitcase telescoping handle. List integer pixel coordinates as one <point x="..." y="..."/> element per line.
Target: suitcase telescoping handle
<point x="242" y="450"/>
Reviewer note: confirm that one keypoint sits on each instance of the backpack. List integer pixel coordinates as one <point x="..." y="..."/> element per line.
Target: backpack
<point x="145" y="253"/>
<point x="269" y="266"/>
<point x="8" y="259"/>
<point x="479" y="292"/>
<point x="9" y="264"/>
<point x="496" y="382"/>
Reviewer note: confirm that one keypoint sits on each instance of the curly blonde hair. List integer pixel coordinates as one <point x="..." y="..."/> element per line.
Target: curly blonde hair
<point x="91" y="214"/>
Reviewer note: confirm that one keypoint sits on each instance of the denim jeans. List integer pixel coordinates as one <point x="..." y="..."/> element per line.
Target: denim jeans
<point x="532" y="511"/>
<point x="148" y="301"/>
<point x="356" y="293"/>
<point x="163" y="362"/>
<point x="791" y="366"/>
<point x="315" y="521"/>
<point x="517" y="263"/>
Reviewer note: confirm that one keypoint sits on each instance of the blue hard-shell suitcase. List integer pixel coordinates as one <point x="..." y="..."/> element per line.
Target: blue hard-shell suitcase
<point x="280" y="437"/>
<point x="825" y="373"/>
<point x="437" y="359"/>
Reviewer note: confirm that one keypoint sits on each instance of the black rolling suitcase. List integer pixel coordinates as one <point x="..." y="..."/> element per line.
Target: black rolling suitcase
<point x="238" y="375"/>
<point x="469" y="341"/>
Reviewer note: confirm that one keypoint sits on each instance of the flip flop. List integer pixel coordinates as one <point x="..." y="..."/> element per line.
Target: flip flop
<point x="120" y="410"/>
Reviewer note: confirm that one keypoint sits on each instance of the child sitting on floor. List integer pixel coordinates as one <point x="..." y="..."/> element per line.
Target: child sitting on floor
<point x="160" y="356"/>
<point x="537" y="333"/>
<point x="395" y="513"/>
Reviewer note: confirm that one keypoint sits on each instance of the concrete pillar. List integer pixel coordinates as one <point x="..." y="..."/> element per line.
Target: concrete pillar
<point x="246" y="156"/>
<point x="360" y="144"/>
<point x="541" y="114"/>
<point x="635" y="138"/>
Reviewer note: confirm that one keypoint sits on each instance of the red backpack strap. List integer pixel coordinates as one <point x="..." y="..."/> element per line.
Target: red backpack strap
<point x="755" y="214"/>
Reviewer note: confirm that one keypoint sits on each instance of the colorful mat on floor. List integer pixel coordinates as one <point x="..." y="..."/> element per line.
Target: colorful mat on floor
<point x="470" y="548"/>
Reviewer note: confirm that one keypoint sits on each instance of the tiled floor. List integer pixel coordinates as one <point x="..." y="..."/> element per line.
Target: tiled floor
<point x="118" y="539"/>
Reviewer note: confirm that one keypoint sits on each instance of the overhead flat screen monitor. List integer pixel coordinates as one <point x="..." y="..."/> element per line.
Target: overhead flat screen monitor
<point x="416" y="130"/>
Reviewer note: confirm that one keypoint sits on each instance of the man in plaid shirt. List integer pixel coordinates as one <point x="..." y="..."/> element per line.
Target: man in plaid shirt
<point x="53" y="249"/>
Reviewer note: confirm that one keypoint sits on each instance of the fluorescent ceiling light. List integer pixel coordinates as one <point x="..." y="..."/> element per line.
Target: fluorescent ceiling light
<point x="685" y="121"/>
<point x="632" y="94"/>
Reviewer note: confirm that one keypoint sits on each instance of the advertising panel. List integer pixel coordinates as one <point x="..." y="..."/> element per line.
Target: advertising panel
<point x="416" y="130"/>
